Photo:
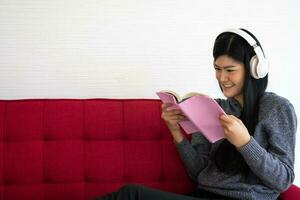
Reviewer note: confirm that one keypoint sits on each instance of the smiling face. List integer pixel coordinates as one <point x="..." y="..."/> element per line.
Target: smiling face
<point x="231" y="76"/>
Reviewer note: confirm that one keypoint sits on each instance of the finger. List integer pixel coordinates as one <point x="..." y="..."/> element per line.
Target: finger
<point x="236" y="120"/>
<point x="225" y="126"/>
<point x="225" y="119"/>
<point x="182" y="118"/>
<point x="227" y="131"/>
<point x="170" y="115"/>
<point x="176" y="118"/>
<point x="175" y="112"/>
<point x="166" y="105"/>
<point x="233" y="117"/>
<point x="223" y="116"/>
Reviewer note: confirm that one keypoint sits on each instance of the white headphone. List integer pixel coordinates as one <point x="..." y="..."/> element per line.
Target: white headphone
<point x="259" y="65"/>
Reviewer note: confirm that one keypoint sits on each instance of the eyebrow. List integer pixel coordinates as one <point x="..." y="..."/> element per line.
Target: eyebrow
<point x="225" y="67"/>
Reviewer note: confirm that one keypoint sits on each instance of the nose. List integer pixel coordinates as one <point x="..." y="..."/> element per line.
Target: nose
<point x="223" y="76"/>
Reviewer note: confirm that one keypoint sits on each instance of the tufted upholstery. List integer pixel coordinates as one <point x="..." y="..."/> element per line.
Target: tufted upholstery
<point x="79" y="149"/>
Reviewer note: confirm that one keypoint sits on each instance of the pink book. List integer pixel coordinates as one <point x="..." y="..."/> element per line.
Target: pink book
<point x="202" y="111"/>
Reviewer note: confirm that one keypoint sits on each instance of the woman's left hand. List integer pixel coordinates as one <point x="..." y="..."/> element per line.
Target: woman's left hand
<point x="235" y="131"/>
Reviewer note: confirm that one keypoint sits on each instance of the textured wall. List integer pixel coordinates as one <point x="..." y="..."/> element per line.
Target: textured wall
<point x="132" y="48"/>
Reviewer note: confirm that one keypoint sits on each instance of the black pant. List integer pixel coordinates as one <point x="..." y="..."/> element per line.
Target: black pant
<point x="139" y="192"/>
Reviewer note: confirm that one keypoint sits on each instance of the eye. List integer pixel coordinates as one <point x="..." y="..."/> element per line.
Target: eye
<point x="230" y="70"/>
<point x="217" y="69"/>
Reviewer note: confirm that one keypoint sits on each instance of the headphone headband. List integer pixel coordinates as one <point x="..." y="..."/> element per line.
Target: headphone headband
<point x="244" y="35"/>
<point x="259" y="65"/>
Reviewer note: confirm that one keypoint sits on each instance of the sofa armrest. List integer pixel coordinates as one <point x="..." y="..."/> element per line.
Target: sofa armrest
<point x="292" y="193"/>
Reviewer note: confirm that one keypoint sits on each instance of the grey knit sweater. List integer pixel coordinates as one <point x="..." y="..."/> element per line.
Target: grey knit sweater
<point x="269" y="154"/>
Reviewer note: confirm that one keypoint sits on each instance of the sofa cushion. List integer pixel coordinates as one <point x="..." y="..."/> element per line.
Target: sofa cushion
<point x="82" y="148"/>
<point x="79" y="149"/>
<point x="293" y="193"/>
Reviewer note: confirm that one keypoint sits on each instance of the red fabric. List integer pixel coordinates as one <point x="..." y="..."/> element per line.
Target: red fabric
<point x="293" y="193"/>
<point x="79" y="149"/>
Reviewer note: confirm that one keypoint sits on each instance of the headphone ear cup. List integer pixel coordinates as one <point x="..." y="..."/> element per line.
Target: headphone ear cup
<point x="253" y="67"/>
<point x="262" y="68"/>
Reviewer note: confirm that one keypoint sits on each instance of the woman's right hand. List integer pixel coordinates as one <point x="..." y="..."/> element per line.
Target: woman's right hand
<point x="172" y="117"/>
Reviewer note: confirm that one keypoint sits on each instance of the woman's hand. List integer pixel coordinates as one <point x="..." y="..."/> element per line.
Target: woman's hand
<point x="235" y="131"/>
<point x="172" y="117"/>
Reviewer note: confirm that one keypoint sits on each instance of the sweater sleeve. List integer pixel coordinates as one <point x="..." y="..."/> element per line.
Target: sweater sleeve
<point x="195" y="155"/>
<point x="274" y="165"/>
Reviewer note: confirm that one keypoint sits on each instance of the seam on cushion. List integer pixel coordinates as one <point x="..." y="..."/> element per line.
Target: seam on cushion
<point x="4" y="121"/>
<point x="4" y="146"/>
<point x="5" y="136"/>
<point x="162" y="175"/>
<point x="160" y="122"/>
<point x="43" y="149"/>
<point x="161" y="163"/>
<point x="123" y="143"/>
<point x="84" y="140"/>
<point x="162" y="147"/>
<point x="123" y="122"/>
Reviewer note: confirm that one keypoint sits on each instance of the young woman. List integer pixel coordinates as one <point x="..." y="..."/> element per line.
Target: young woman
<point x="256" y="158"/>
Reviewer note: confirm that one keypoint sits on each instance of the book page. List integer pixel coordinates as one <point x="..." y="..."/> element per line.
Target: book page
<point x="176" y="95"/>
<point x="187" y="125"/>
<point x="168" y="98"/>
<point x="191" y="94"/>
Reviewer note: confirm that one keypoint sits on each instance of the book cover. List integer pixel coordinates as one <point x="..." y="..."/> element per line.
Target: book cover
<point x="202" y="111"/>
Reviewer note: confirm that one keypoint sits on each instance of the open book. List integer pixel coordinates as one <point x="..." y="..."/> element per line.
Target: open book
<point x="202" y="111"/>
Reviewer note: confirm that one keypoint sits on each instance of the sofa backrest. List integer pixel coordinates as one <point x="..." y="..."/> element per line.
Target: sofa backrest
<point x="81" y="148"/>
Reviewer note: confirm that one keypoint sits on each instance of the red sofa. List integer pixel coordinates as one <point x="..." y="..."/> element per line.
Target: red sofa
<point x="79" y="149"/>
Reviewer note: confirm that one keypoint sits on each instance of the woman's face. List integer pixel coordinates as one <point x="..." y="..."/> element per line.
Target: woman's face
<point x="231" y="76"/>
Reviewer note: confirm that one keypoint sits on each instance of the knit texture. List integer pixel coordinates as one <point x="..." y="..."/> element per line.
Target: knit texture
<point x="269" y="154"/>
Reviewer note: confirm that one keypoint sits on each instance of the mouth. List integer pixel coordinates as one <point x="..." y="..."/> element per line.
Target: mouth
<point x="227" y="86"/>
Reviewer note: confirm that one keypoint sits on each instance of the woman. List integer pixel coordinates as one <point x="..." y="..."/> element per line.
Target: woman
<point x="256" y="158"/>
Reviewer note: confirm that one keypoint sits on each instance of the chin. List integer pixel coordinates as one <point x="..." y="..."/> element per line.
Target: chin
<point x="228" y="94"/>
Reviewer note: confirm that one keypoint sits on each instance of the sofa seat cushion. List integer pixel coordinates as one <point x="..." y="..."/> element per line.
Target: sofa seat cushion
<point x="79" y="149"/>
